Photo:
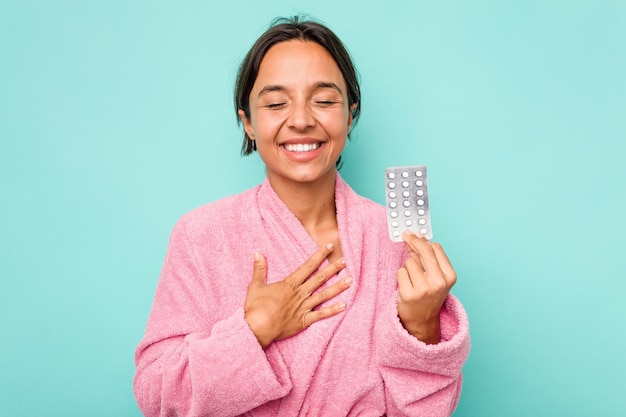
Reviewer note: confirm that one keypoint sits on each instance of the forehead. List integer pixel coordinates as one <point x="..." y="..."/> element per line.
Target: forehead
<point x="298" y="63"/>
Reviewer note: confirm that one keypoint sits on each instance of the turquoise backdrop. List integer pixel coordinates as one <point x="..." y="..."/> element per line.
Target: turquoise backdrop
<point x="116" y="118"/>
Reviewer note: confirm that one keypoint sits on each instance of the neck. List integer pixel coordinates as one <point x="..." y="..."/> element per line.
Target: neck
<point x="313" y="203"/>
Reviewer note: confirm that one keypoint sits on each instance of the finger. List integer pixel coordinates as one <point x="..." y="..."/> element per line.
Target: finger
<point x="410" y="238"/>
<point x="323" y="313"/>
<point x="322" y="276"/>
<point x="310" y="265"/>
<point x="425" y="251"/>
<point x="411" y="243"/>
<point x="444" y="263"/>
<point x="405" y="286"/>
<point x="416" y="273"/>
<point x="327" y="293"/>
<point x="417" y="258"/>
<point x="259" y="273"/>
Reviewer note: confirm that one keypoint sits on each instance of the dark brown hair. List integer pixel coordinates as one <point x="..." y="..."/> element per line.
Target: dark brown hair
<point x="286" y="29"/>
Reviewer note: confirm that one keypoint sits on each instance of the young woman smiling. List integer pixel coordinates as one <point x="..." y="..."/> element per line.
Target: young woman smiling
<point x="309" y="308"/>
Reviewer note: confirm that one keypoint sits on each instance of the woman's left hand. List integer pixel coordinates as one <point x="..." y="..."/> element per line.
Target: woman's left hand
<point x="424" y="281"/>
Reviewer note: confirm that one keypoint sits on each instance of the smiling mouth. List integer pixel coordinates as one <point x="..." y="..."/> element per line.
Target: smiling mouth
<point x="301" y="147"/>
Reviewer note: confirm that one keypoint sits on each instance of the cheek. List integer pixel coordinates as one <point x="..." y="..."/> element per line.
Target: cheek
<point x="338" y="123"/>
<point x="266" y="125"/>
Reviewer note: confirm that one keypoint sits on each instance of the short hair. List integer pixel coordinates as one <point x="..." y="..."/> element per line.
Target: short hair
<point x="286" y="29"/>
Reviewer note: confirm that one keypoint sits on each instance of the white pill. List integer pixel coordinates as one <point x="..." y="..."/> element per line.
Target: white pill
<point x="421" y="212"/>
<point x="407" y="213"/>
<point x="420" y="202"/>
<point x="392" y="175"/>
<point x="418" y="173"/>
<point x="419" y="183"/>
<point x="392" y="194"/>
<point x="405" y="174"/>
<point x="408" y="222"/>
<point x="406" y="203"/>
<point x="422" y="221"/>
<point x="396" y="233"/>
<point x="392" y="185"/>
<point x="393" y="214"/>
<point x="419" y="193"/>
<point x="423" y="230"/>
<point x="394" y="223"/>
<point x="392" y="204"/>
<point x="405" y="184"/>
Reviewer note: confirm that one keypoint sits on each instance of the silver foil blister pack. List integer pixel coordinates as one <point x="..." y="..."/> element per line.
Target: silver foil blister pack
<point x="406" y="194"/>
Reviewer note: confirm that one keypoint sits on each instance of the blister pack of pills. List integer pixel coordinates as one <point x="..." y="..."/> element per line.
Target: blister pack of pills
<point x="406" y="194"/>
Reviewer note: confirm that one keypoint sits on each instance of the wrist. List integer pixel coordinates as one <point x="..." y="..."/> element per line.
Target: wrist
<point x="428" y="332"/>
<point x="259" y="329"/>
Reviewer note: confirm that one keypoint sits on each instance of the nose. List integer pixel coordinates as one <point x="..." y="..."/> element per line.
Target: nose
<point x="301" y="115"/>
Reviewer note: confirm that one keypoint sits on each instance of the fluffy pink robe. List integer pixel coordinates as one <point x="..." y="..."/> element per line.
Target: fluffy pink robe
<point x="199" y="357"/>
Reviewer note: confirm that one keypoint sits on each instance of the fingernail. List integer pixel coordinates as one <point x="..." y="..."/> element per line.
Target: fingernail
<point x="348" y="280"/>
<point x="341" y="306"/>
<point x="343" y="261"/>
<point x="329" y="246"/>
<point x="257" y="256"/>
<point x="407" y="232"/>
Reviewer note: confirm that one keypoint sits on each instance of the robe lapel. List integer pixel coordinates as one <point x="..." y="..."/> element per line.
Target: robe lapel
<point x="288" y="245"/>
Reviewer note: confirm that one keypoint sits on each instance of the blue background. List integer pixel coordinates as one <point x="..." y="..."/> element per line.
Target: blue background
<point x="116" y="118"/>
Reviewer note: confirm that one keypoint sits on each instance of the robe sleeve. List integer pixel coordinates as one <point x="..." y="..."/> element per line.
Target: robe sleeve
<point x="422" y="379"/>
<point x="194" y="359"/>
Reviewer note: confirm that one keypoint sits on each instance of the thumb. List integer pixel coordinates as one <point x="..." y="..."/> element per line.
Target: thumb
<point x="260" y="270"/>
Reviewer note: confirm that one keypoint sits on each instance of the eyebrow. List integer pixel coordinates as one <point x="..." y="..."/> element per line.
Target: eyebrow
<point x="270" y="88"/>
<point x="320" y="84"/>
<point x="323" y="84"/>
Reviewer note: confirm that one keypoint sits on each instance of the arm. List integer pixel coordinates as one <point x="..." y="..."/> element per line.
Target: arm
<point x="204" y="353"/>
<point x="194" y="359"/>
<point x="424" y="335"/>
<point x="422" y="379"/>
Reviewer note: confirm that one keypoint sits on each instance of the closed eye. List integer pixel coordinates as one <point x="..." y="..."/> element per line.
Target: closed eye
<point x="326" y="102"/>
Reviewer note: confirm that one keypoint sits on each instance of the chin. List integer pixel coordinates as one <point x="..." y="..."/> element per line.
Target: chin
<point x="306" y="176"/>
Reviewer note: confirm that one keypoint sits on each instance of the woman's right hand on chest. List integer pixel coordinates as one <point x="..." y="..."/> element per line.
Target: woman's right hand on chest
<point x="284" y="308"/>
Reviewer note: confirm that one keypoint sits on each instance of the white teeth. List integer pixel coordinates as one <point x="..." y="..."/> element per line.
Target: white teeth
<point x="301" y="147"/>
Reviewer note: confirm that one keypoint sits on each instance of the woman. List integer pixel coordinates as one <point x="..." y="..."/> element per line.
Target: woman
<point x="290" y="299"/>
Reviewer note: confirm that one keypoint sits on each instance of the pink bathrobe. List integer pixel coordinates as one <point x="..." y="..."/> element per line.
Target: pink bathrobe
<point x="199" y="357"/>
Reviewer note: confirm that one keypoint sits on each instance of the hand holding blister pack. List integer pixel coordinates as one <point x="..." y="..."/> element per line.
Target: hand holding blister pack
<point x="406" y="194"/>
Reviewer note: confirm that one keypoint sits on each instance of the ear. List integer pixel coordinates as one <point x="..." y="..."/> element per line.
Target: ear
<point x="247" y="125"/>
<point x="352" y="107"/>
